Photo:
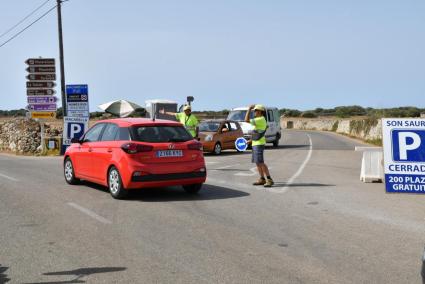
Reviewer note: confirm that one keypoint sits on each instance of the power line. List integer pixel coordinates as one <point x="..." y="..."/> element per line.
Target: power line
<point x="21" y="31"/>
<point x="26" y="17"/>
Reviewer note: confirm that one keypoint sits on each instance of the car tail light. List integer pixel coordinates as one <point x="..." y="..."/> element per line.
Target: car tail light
<point x="133" y="148"/>
<point x="195" y="146"/>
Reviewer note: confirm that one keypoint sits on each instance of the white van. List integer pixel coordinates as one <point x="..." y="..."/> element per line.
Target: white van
<point x="273" y="133"/>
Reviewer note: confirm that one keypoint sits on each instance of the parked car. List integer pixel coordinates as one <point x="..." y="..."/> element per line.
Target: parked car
<point x="125" y="154"/>
<point x="218" y="135"/>
<point x="273" y="133"/>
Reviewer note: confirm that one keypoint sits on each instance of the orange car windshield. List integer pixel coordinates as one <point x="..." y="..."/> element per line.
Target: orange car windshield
<point x="209" y="126"/>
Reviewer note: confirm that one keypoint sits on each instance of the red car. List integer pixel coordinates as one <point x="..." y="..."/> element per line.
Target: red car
<point x="129" y="153"/>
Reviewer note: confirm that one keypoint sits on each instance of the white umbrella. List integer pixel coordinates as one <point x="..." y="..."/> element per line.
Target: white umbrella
<point x="122" y="108"/>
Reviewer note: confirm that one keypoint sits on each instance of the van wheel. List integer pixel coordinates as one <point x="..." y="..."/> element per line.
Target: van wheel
<point x="217" y="148"/>
<point x="192" y="188"/>
<point x="276" y="140"/>
<point x="115" y="185"/>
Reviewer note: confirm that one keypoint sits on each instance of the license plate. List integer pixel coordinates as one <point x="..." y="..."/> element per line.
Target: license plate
<point x="169" y="153"/>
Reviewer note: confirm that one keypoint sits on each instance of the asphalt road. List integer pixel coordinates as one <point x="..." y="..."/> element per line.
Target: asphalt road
<point x="318" y="224"/>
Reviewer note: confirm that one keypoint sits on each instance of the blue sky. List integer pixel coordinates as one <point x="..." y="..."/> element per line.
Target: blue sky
<point x="226" y="53"/>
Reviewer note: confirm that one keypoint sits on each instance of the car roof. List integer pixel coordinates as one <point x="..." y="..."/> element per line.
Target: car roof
<point x="126" y="122"/>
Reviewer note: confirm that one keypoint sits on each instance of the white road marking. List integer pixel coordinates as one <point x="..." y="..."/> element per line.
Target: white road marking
<point x="253" y="172"/>
<point x="299" y="171"/>
<point x="226" y="167"/>
<point x="8" y="177"/>
<point x="210" y="162"/>
<point x="90" y="213"/>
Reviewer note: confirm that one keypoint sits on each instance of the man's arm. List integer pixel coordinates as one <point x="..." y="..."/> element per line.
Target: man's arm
<point x="162" y="111"/>
<point x="248" y="112"/>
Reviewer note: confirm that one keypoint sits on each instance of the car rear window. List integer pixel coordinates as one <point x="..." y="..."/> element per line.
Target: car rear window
<point x="160" y="134"/>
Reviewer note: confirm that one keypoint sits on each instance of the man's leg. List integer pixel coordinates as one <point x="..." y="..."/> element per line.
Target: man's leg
<point x="262" y="180"/>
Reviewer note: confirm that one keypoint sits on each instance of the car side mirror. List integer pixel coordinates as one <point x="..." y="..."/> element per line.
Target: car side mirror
<point x="76" y="140"/>
<point x="225" y="130"/>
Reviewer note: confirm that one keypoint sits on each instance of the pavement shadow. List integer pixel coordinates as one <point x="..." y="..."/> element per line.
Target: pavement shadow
<point x="227" y="153"/>
<point x="284" y="184"/>
<point x="208" y="192"/>
<point x="3" y="275"/>
<point x="283" y="146"/>
<point x="79" y="273"/>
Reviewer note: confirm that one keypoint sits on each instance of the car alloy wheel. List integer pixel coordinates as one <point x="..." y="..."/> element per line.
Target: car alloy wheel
<point x="68" y="170"/>
<point x="115" y="184"/>
<point x="217" y="149"/>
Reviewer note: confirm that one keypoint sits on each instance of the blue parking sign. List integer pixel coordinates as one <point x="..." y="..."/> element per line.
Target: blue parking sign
<point x="404" y="155"/>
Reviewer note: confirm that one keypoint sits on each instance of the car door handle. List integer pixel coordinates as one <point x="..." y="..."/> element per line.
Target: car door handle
<point x="90" y="150"/>
<point x="109" y="150"/>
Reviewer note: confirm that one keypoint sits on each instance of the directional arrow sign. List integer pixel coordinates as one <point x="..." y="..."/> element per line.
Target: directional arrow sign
<point x="41" y="84"/>
<point x="40" y="61"/>
<point x="41" y="100"/>
<point x="40" y="92"/>
<point x="43" y="107"/>
<point x="241" y="144"/>
<point x="42" y="77"/>
<point x="39" y="114"/>
<point x="41" y="69"/>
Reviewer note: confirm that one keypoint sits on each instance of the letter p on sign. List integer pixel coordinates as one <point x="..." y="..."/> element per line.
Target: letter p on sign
<point x="75" y="130"/>
<point x="407" y="145"/>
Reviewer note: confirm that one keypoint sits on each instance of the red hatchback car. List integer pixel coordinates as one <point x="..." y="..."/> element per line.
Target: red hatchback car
<point x="129" y="153"/>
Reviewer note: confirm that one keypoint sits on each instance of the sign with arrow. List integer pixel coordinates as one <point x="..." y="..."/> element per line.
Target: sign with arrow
<point x="42" y="77"/>
<point x="41" y="69"/>
<point x="40" y="61"/>
<point x="40" y="92"/>
<point x="241" y="144"/>
<point x="41" y="99"/>
<point x="42" y="107"/>
<point x="41" y="84"/>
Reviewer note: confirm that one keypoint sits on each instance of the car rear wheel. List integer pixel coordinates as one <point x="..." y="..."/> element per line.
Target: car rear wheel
<point x="217" y="148"/>
<point x="115" y="185"/>
<point x="192" y="188"/>
<point x="68" y="171"/>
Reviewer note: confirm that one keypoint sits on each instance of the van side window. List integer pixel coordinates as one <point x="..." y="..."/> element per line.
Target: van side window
<point x="270" y="115"/>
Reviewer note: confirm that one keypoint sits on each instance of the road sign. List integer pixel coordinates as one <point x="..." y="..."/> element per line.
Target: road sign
<point x="41" y="99"/>
<point x="404" y="155"/>
<point x="42" y="107"/>
<point x="41" y="69"/>
<point x="41" y="77"/>
<point x="241" y="144"/>
<point x="40" y="92"/>
<point x="44" y="114"/>
<point x="40" y="61"/>
<point x="77" y="100"/>
<point x="41" y="85"/>
<point x="74" y="127"/>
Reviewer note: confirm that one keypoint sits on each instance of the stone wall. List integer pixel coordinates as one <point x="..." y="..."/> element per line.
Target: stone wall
<point x="367" y="129"/>
<point x="23" y="136"/>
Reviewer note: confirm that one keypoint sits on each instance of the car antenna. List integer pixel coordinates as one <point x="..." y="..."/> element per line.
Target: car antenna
<point x="153" y="112"/>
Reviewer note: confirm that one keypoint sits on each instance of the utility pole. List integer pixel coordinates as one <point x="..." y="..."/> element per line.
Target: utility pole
<point x="62" y="66"/>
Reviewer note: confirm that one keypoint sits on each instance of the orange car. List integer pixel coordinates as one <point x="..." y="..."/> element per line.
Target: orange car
<point x="218" y="135"/>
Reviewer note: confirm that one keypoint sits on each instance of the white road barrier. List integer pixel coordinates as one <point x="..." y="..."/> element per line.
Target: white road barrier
<point x="372" y="164"/>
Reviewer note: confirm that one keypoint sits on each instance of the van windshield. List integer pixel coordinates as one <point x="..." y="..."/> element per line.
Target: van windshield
<point x="239" y="115"/>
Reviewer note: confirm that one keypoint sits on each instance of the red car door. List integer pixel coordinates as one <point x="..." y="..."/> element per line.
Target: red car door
<point x="84" y="157"/>
<point x="102" y="152"/>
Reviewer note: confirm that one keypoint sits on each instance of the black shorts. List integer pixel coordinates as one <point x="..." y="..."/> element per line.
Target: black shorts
<point x="258" y="154"/>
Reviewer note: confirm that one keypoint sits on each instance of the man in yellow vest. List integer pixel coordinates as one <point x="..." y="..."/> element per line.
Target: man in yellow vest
<point x="259" y="143"/>
<point x="186" y="118"/>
